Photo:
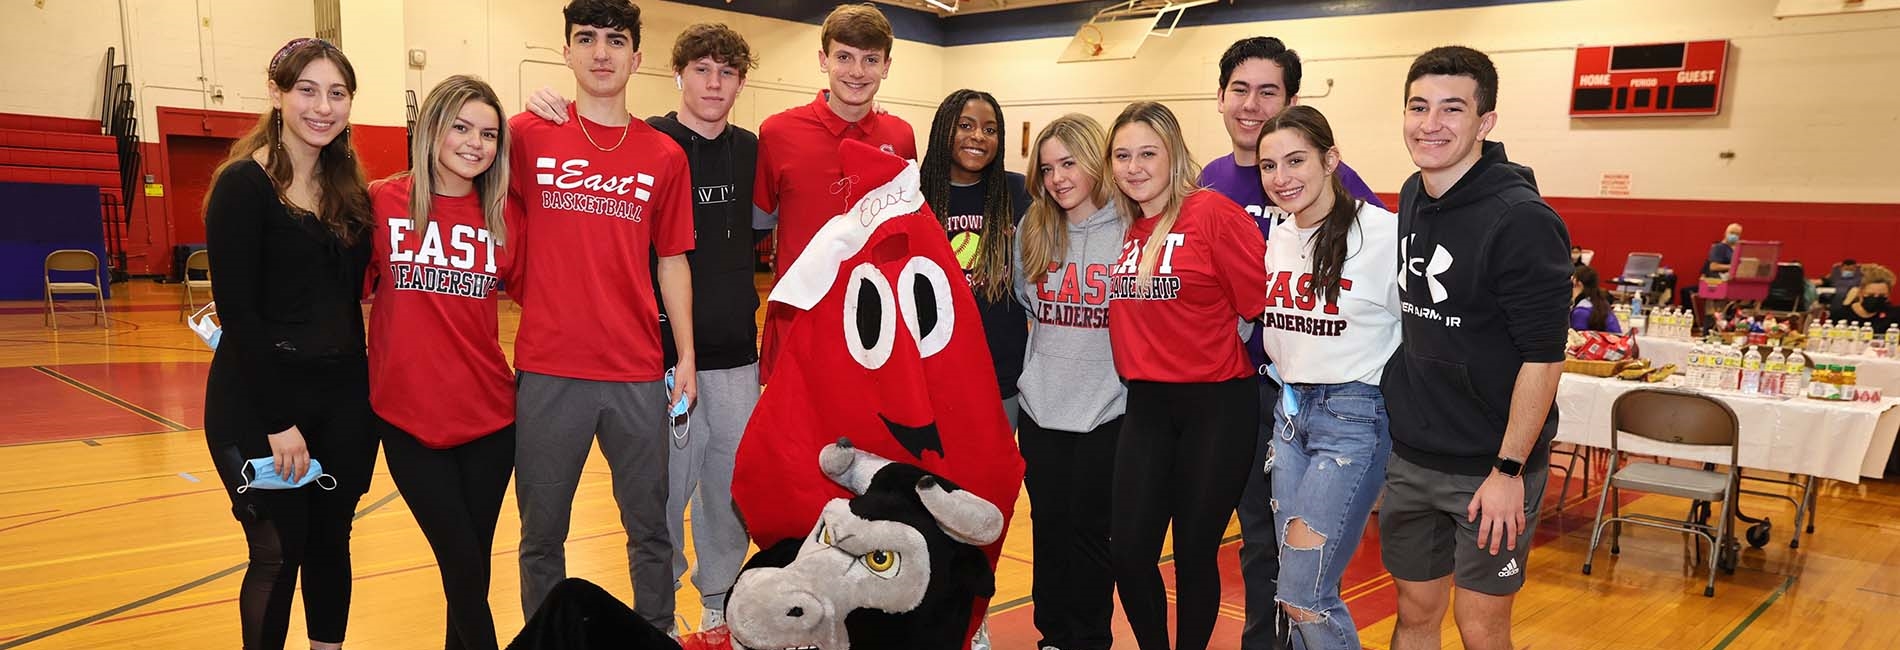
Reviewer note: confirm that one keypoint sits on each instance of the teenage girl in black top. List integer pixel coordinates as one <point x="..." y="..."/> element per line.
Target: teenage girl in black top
<point x="287" y="223"/>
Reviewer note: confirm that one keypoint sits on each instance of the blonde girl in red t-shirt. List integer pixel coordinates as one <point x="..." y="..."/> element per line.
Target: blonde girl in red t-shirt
<point x="442" y="391"/>
<point x="1191" y="268"/>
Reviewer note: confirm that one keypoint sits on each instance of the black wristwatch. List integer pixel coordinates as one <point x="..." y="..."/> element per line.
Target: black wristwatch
<point x="1509" y="467"/>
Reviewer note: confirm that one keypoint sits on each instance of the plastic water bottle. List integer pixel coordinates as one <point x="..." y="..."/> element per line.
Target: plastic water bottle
<point x="1774" y="373"/>
<point x="1866" y="338"/>
<point x="1732" y="369"/>
<point x="1751" y="372"/>
<point x="1636" y="321"/>
<point x="1892" y="337"/>
<point x="1796" y="384"/>
<point x="1817" y="336"/>
<point x="1692" y="377"/>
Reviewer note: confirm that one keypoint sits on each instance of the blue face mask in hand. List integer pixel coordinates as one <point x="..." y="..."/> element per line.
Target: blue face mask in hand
<point x="676" y="423"/>
<point x="261" y="474"/>
<point x="206" y="328"/>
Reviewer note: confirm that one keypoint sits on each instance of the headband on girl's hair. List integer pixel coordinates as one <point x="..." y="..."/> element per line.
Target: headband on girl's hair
<point x="294" y="45"/>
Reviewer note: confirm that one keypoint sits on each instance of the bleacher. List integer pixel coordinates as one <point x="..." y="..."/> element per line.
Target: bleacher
<point x="101" y="152"/>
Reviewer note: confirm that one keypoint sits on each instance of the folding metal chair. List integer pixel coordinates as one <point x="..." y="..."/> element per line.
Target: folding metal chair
<point x="1676" y="417"/>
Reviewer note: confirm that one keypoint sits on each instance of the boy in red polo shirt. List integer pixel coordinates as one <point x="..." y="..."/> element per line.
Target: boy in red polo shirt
<point x="799" y="185"/>
<point x="599" y="194"/>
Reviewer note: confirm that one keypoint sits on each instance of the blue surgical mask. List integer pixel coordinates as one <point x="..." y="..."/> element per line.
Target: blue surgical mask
<point x="1733" y="239"/>
<point x="262" y="475"/>
<point x="676" y="423"/>
<point x="205" y="327"/>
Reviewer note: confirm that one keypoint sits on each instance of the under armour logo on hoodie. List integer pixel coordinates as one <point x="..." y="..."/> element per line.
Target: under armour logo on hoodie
<point x="1439" y="263"/>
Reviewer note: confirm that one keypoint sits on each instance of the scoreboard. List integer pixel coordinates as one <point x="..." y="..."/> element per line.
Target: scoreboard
<point x="1656" y="79"/>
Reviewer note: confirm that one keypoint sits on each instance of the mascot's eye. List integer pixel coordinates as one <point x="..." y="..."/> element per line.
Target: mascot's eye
<point x="824" y="534"/>
<point x="924" y="292"/>
<point x="870" y="317"/>
<point x="882" y="564"/>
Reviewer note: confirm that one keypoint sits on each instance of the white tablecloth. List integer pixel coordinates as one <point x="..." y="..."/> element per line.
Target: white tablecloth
<point x="1837" y="440"/>
<point x="1868" y="371"/>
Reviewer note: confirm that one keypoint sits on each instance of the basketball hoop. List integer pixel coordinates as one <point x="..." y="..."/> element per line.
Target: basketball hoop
<point x="1091" y="38"/>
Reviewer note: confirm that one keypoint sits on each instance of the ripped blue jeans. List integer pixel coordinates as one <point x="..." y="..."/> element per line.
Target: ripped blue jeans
<point x="1328" y="464"/>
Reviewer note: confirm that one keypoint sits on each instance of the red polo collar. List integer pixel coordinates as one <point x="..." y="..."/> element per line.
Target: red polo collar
<point x="837" y="125"/>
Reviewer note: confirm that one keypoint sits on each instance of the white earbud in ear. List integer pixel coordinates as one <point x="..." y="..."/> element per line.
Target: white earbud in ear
<point x="678" y="84"/>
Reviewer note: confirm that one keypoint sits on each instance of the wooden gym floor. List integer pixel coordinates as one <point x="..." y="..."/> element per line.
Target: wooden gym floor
<point x="114" y="534"/>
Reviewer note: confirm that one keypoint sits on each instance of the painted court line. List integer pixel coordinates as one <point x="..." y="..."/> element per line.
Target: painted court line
<point x="82" y="622"/>
<point x="139" y="410"/>
<point x="1763" y="607"/>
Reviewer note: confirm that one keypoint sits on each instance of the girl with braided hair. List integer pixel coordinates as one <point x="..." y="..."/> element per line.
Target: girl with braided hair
<point x="979" y="205"/>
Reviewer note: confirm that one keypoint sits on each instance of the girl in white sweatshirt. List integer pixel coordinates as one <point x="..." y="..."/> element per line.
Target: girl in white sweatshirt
<point x="1331" y="322"/>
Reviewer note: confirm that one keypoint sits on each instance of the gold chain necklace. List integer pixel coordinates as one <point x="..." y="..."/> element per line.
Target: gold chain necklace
<point x="590" y="137"/>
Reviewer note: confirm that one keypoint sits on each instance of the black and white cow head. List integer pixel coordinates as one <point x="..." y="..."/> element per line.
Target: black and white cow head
<point x="898" y="566"/>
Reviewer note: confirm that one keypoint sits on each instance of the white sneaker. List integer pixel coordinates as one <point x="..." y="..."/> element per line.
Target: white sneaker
<point x="982" y="639"/>
<point x="711" y="619"/>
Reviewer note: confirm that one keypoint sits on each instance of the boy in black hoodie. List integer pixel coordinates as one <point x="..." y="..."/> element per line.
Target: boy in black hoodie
<point x="1471" y="389"/>
<point x="710" y="63"/>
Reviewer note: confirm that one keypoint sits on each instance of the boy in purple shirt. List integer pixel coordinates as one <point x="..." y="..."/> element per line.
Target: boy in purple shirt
<point x="1259" y="77"/>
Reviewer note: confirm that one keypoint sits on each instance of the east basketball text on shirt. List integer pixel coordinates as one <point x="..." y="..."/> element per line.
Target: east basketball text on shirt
<point x="567" y="175"/>
<point x="444" y="265"/>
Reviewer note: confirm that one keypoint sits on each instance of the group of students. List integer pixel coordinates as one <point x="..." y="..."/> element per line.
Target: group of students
<point x="1110" y="282"/>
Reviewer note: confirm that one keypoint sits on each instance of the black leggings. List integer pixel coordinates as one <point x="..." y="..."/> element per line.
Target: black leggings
<point x="301" y="533"/>
<point x="1070" y="477"/>
<point x="455" y="495"/>
<point x="1183" y="457"/>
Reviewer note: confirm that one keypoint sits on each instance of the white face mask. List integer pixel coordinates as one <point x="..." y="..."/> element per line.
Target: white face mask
<point x="203" y="324"/>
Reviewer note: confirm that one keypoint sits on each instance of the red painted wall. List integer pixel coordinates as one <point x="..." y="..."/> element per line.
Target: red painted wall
<point x="1815" y="234"/>
<point x="192" y="143"/>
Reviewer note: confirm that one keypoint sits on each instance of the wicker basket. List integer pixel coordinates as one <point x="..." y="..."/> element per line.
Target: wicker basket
<point x="1593" y="368"/>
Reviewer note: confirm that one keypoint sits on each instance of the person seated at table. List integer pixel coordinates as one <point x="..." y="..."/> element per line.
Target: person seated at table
<point x="1721" y="258"/>
<point x="1869" y="302"/>
<point x="1576" y="256"/>
<point x="1842" y="278"/>
<point x="1591" y="304"/>
<point x="1722" y="253"/>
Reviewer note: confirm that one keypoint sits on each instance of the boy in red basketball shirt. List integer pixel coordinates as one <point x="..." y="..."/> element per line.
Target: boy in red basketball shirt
<point x="799" y="185"/>
<point x="599" y="194"/>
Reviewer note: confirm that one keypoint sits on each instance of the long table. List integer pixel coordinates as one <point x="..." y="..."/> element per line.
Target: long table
<point x="1869" y="371"/>
<point x="1839" y="440"/>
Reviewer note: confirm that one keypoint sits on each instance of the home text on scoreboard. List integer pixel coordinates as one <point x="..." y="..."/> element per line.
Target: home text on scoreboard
<point x="1655" y="79"/>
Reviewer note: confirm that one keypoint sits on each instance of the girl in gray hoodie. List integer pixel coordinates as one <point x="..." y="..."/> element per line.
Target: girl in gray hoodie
<point x="1071" y="397"/>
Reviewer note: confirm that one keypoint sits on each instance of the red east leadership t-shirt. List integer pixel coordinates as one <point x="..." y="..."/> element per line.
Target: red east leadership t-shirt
<point x="798" y="176"/>
<point x="436" y="369"/>
<point x="588" y="309"/>
<point x="1182" y="327"/>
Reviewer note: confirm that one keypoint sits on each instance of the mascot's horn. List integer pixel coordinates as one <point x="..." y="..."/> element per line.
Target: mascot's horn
<point x="961" y="513"/>
<point x="849" y="466"/>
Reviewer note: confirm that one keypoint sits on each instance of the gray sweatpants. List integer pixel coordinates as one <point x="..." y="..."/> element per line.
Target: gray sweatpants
<point x="556" y="420"/>
<point x="700" y="471"/>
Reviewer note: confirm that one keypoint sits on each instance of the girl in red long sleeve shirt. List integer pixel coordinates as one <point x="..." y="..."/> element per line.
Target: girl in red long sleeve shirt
<point x="1191" y="268"/>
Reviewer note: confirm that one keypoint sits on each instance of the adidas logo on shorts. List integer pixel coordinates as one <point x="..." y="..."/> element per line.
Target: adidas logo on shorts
<point x="1509" y="569"/>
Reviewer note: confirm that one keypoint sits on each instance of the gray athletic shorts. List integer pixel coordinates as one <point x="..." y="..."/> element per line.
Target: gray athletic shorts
<point x="1423" y="534"/>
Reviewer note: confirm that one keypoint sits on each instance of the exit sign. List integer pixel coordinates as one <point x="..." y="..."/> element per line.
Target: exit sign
<point x="1656" y="79"/>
